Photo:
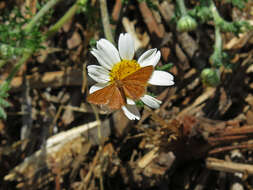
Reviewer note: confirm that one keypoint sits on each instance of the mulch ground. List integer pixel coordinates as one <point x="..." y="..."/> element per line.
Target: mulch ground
<point x="200" y="137"/>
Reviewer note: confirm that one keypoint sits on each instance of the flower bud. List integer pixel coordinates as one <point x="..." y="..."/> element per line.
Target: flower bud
<point x="204" y="14"/>
<point x="186" y="24"/>
<point x="210" y="77"/>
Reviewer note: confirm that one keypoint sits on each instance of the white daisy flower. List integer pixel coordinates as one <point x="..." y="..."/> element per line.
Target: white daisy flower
<point x="119" y="62"/>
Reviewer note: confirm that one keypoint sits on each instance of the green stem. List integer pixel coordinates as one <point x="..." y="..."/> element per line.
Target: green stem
<point x="40" y="14"/>
<point x="182" y="7"/>
<point x="71" y="12"/>
<point x="216" y="16"/>
<point x="217" y="57"/>
<point x="218" y="39"/>
<point x="106" y="22"/>
<point x="16" y="68"/>
<point x="51" y="31"/>
<point x="217" y="19"/>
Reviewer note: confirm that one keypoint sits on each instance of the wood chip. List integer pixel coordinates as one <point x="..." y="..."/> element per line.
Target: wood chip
<point x="153" y="26"/>
<point x="130" y="28"/>
<point x="147" y="158"/>
<point x="74" y="41"/>
<point x="231" y="167"/>
<point x="50" y="79"/>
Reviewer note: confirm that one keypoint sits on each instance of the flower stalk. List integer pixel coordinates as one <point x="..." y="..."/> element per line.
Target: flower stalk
<point x="67" y="16"/>
<point x="40" y="14"/>
<point x="16" y="68"/>
<point x="217" y="57"/>
<point x="218" y="20"/>
<point x="106" y="21"/>
<point x="211" y="76"/>
<point x="182" y="7"/>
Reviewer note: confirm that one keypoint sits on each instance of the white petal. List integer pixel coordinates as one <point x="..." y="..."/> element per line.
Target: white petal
<point x="108" y="52"/>
<point x="97" y="86"/>
<point x="126" y="46"/>
<point x="98" y="79"/>
<point x="98" y="73"/>
<point x="96" y="69"/>
<point x="150" y="57"/>
<point x="156" y="59"/>
<point x="131" y="112"/>
<point x="161" y="78"/>
<point x="151" y="101"/>
<point x="146" y="55"/>
<point x="101" y="59"/>
<point x="130" y="101"/>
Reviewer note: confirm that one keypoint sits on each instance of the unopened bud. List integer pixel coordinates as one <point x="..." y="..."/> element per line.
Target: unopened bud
<point x="210" y="77"/>
<point x="186" y="24"/>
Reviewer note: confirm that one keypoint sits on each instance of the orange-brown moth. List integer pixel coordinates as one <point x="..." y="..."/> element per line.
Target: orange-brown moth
<point x="132" y="86"/>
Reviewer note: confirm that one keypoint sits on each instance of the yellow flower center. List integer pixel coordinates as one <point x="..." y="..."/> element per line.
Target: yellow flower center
<point x="123" y="69"/>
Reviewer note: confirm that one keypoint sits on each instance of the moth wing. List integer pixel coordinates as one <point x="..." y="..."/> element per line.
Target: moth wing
<point x="117" y="99"/>
<point x="101" y="96"/>
<point x="141" y="76"/>
<point x="133" y="91"/>
<point x="109" y="95"/>
<point x="134" y="85"/>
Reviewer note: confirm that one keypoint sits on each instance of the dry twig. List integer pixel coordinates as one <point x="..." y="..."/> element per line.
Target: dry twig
<point x="231" y="167"/>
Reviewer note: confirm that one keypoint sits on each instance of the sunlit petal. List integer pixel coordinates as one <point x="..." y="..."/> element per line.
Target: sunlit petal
<point x="98" y="73"/>
<point x="161" y="78"/>
<point x="99" y="78"/>
<point x="108" y="51"/>
<point x="151" y="101"/>
<point x="126" y="46"/>
<point x="150" y="57"/>
<point x="101" y="59"/>
<point x="146" y="55"/>
<point x="96" y="69"/>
